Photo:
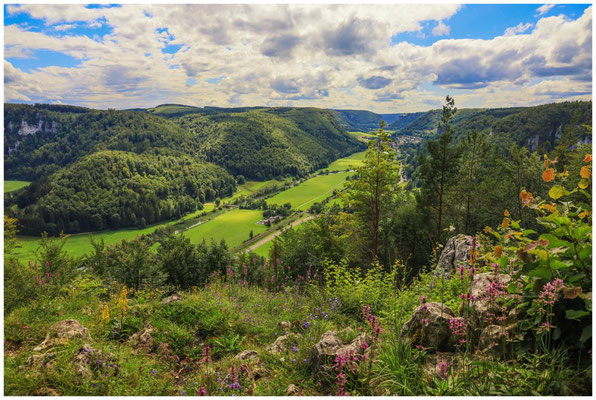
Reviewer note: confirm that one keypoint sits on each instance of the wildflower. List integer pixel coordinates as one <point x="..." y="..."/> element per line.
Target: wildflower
<point x="443" y="368"/>
<point x="294" y="349"/>
<point x="422" y="299"/>
<point x="201" y="391"/>
<point x="550" y="291"/>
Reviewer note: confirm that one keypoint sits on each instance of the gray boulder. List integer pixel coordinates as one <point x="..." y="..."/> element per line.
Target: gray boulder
<point x="62" y="332"/>
<point x="455" y="253"/>
<point x="330" y="346"/>
<point x="429" y="326"/>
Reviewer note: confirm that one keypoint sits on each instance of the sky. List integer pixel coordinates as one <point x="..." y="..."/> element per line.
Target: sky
<point x="382" y="58"/>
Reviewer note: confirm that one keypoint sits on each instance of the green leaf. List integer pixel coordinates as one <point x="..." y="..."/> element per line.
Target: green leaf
<point x="576" y="314"/>
<point x="540" y="271"/>
<point x="556" y="191"/>
<point x="586" y="333"/>
<point x="528" y="232"/>
<point x="554" y="241"/>
<point x="557" y="333"/>
<point x="558" y="264"/>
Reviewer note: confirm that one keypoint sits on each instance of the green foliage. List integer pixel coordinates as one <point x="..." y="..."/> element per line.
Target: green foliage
<point x="130" y="262"/>
<point x="355" y="288"/>
<point x="187" y="265"/>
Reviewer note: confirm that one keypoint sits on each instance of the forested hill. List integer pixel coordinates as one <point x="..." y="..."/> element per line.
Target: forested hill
<point x="41" y="139"/>
<point x="264" y="143"/>
<point x="538" y="127"/>
<point x="166" y="166"/>
<point x="113" y="189"/>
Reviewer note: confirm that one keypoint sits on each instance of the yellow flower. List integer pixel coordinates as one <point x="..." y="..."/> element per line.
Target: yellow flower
<point x="105" y="313"/>
<point x="123" y="299"/>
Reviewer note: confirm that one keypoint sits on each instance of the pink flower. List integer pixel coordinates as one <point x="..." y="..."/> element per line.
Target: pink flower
<point x="443" y="368"/>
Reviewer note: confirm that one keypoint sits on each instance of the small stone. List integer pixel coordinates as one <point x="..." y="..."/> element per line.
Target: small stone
<point x="293" y="390"/>
<point x="283" y="343"/>
<point x="247" y="355"/>
<point x="285" y="325"/>
<point x="171" y="299"/>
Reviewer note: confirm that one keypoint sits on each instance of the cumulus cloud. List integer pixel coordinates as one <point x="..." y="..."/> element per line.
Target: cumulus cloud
<point x="519" y="28"/>
<point x="441" y="29"/>
<point x="333" y="56"/>
<point x="544" y="9"/>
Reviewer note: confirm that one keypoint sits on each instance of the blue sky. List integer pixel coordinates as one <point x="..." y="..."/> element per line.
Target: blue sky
<point x="383" y="58"/>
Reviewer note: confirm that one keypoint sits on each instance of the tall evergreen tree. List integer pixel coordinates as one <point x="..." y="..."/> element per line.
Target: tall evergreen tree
<point x="438" y="170"/>
<point x="370" y="195"/>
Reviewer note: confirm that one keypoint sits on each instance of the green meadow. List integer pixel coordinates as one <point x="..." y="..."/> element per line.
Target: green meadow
<point x="346" y="163"/>
<point x="11" y="186"/>
<point x="233" y="226"/>
<point x="310" y="191"/>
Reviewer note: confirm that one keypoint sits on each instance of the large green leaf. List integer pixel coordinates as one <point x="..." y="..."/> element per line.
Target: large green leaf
<point x="586" y="333"/>
<point x="576" y="314"/>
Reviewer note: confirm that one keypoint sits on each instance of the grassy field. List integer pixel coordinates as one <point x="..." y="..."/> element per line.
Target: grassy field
<point x="361" y="135"/>
<point x="250" y="187"/>
<point x="233" y="226"/>
<point x="80" y="244"/>
<point x="11" y="186"/>
<point x="310" y="191"/>
<point x="346" y="163"/>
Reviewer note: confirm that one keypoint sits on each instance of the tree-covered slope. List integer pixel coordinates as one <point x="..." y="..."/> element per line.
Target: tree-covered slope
<point x="113" y="189"/>
<point x="40" y="139"/>
<point x="262" y="144"/>
<point x="360" y="120"/>
<point x="538" y="127"/>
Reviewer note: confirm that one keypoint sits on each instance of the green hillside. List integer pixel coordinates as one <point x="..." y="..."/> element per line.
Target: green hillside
<point x="39" y="140"/>
<point x="113" y="189"/>
<point x="266" y="143"/>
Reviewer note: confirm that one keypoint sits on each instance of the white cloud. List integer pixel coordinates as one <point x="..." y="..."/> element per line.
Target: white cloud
<point x="520" y="28"/>
<point x="324" y="56"/>
<point x="441" y="29"/>
<point x="544" y="9"/>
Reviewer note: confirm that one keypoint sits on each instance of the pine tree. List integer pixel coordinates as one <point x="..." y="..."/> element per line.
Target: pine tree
<point x="370" y="195"/>
<point x="438" y="170"/>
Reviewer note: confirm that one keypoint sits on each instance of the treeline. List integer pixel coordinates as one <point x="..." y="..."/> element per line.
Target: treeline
<point x="268" y="143"/>
<point x="461" y="183"/>
<point x="114" y="189"/>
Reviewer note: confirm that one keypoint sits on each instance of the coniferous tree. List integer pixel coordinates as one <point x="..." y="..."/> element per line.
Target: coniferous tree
<point x="438" y="170"/>
<point x="371" y="194"/>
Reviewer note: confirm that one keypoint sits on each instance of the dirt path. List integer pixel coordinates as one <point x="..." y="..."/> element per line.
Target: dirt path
<point x="276" y="234"/>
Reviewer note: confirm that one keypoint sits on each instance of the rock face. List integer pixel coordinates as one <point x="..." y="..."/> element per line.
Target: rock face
<point x="283" y="343"/>
<point x="330" y="346"/>
<point x="455" y="253"/>
<point x="62" y="332"/>
<point x="429" y="326"/>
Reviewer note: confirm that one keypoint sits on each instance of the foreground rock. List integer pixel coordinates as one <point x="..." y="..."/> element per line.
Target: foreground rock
<point x="171" y="299"/>
<point x="429" y="326"/>
<point x="284" y="343"/>
<point x="330" y="346"/>
<point x="293" y="390"/>
<point x="247" y="355"/>
<point x="62" y="332"/>
<point x="143" y="339"/>
<point x="498" y="338"/>
<point x="455" y="253"/>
